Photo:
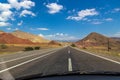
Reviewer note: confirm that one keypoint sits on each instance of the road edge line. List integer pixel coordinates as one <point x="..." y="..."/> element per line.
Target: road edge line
<point x="25" y="62"/>
<point x="108" y="59"/>
<point x="23" y="57"/>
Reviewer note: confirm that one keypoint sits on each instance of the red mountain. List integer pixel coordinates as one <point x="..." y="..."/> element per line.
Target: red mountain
<point x="7" y="38"/>
<point x="96" y="39"/>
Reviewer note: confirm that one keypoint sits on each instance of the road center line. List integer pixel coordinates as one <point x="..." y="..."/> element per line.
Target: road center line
<point x="26" y="62"/>
<point x="69" y="51"/>
<point x="111" y="60"/>
<point x="69" y="64"/>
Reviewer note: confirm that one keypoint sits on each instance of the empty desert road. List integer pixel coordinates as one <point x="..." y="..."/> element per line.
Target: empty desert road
<point x="59" y="60"/>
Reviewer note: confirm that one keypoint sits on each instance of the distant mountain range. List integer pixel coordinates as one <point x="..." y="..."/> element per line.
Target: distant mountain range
<point x="96" y="39"/>
<point x="66" y="40"/>
<point x="116" y="38"/>
<point x="20" y="37"/>
<point x="53" y="43"/>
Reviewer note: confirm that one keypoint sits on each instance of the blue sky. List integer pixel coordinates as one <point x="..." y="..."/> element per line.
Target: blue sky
<point x="61" y="19"/>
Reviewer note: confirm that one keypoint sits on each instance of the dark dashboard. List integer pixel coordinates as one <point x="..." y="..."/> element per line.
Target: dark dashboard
<point x="75" y="77"/>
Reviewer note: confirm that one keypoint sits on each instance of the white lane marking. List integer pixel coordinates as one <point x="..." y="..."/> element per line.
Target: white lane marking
<point x="69" y="64"/>
<point x="69" y="51"/>
<point x="111" y="60"/>
<point x="22" y="57"/>
<point x="26" y="62"/>
<point x="6" y="75"/>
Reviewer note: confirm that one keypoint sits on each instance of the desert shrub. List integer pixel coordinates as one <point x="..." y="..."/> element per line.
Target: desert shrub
<point x="28" y="49"/>
<point x="37" y="48"/>
<point x="73" y="45"/>
<point x="109" y="48"/>
<point x="3" y="46"/>
<point x="84" y="47"/>
<point x="60" y="44"/>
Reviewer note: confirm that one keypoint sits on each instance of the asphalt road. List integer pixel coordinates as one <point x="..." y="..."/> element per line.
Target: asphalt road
<point x="59" y="60"/>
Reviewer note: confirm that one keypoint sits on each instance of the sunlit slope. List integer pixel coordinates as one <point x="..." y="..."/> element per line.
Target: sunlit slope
<point x="7" y="38"/>
<point x="1" y="31"/>
<point x="31" y="37"/>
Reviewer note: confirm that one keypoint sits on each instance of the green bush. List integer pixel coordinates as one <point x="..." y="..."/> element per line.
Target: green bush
<point x="37" y="48"/>
<point x="73" y="45"/>
<point x="3" y="46"/>
<point x="28" y="49"/>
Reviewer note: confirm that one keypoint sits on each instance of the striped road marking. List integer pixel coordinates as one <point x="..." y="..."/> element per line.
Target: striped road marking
<point x="69" y="64"/>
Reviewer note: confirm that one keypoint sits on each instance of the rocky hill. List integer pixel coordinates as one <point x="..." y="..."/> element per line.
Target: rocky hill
<point x="96" y="39"/>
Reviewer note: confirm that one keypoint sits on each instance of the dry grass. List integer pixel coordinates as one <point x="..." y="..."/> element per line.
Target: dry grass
<point x="13" y="48"/>
<point x="103" y="50"/>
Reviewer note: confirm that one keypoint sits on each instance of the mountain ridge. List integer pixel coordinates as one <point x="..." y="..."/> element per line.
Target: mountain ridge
<point x="7" y="38"/>
<point x="29" y="36"/>
<point x="96" y="39"/>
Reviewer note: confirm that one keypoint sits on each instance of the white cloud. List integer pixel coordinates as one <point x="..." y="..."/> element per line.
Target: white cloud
<point x="97" y="22"/>
<point x="41" y="35"/>
<point x="16" y="29"/>
<point x="20" y="23"/>
<point x="26" y="4"/>
<point x="2" y="24"/>
<point x="59" y="36"/>
<point x="14" y="4"/>
<point x="26" y="12"/>
<point x="117" y="9"/>
<point x="4" y="7"/>
<point x="54" y="8"/>
<point x="83" y="14"/>
<point x="7" y="13"/>
<point x="9" y="28"/>
<point x="44" y="29"/>
<point x="108" y="19"/>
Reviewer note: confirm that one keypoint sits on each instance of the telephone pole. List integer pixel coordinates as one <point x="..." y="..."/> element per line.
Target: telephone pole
<point x="83" y="44"/>
<point x="108" y="45"/>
